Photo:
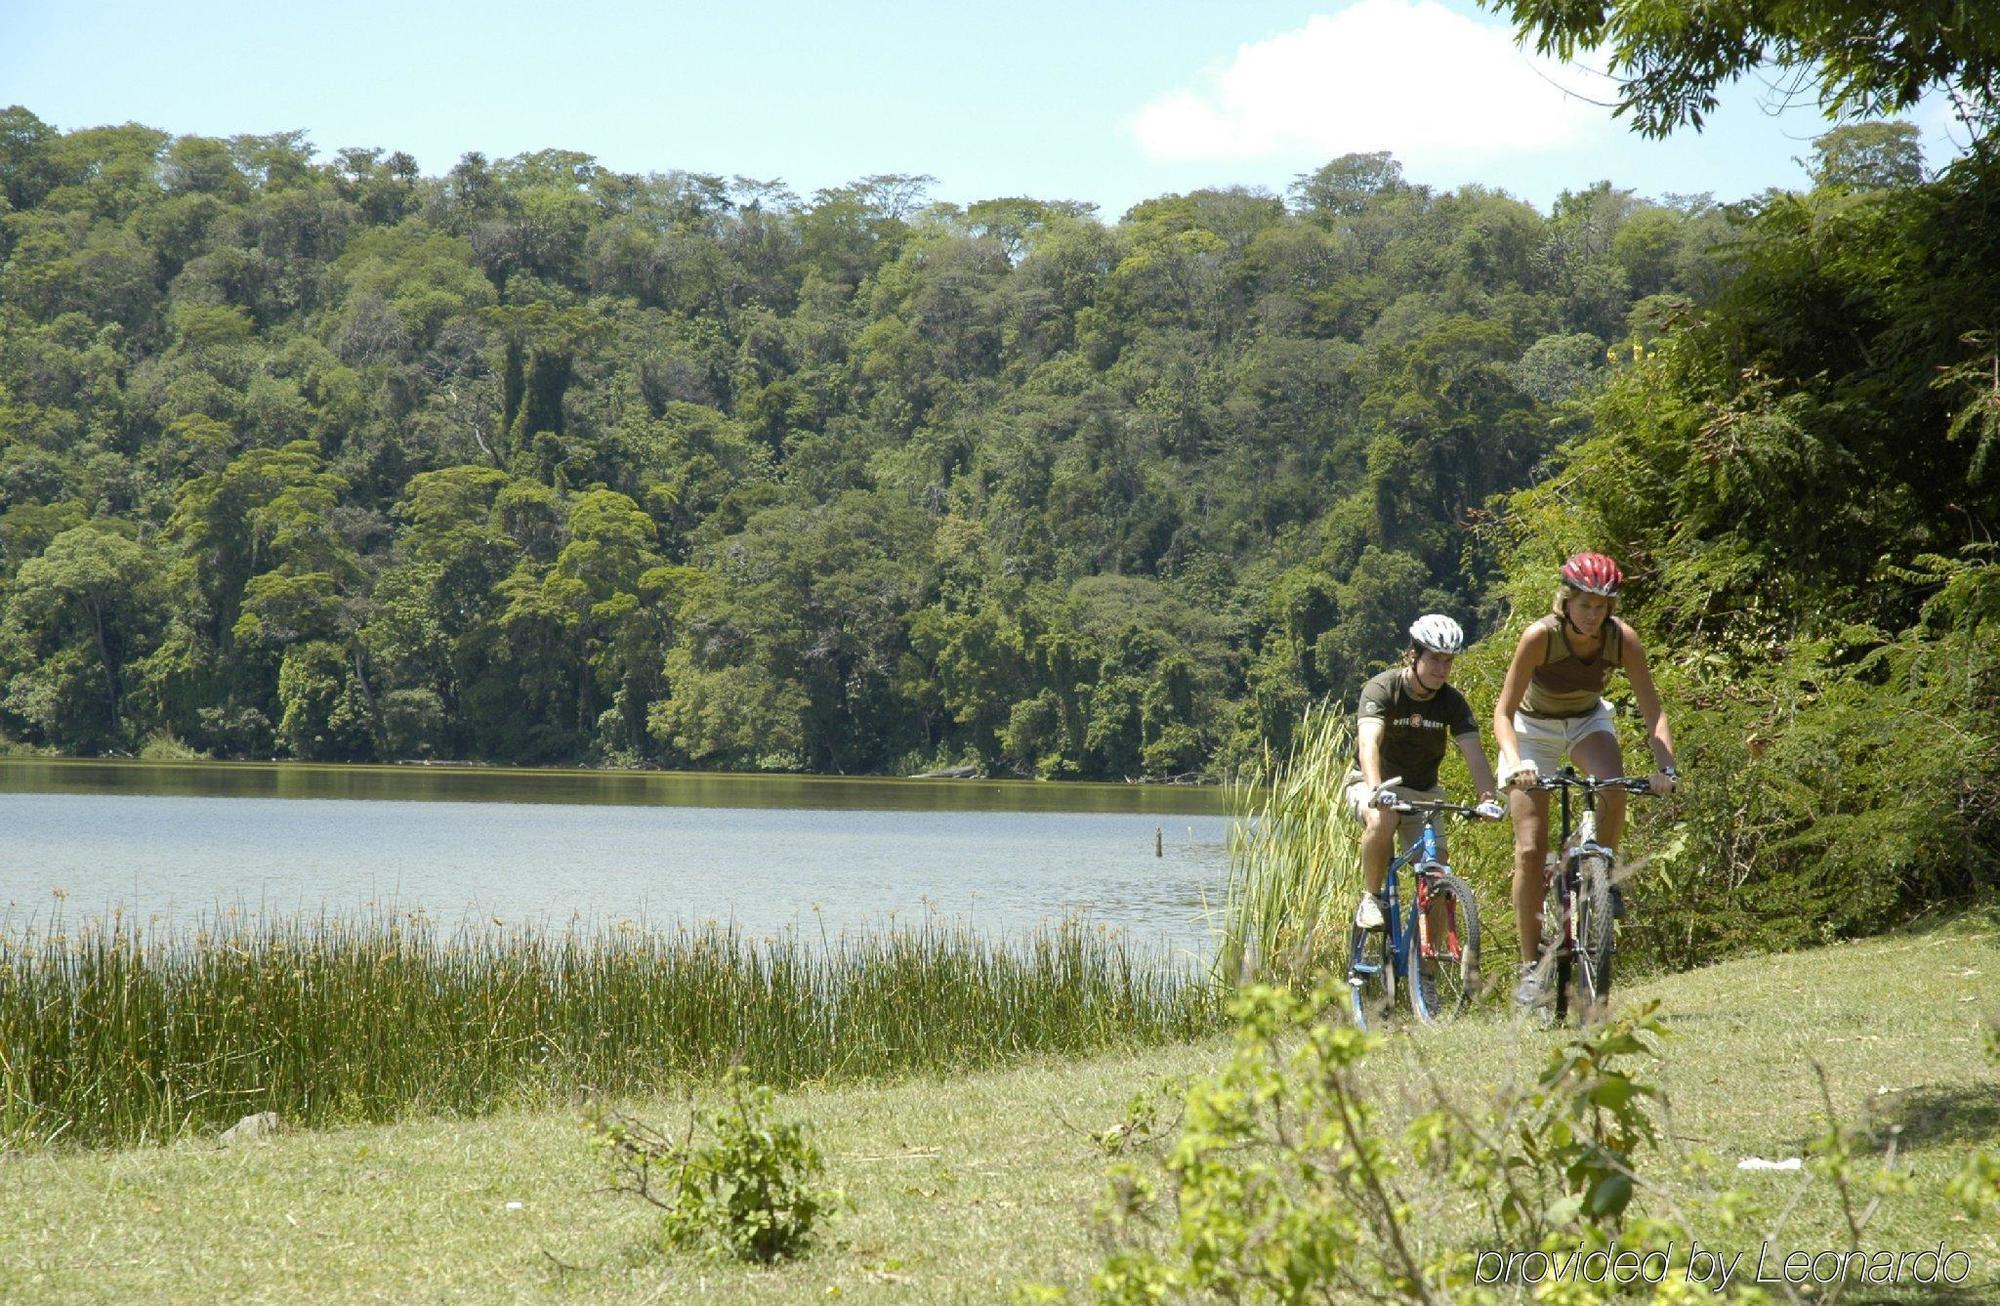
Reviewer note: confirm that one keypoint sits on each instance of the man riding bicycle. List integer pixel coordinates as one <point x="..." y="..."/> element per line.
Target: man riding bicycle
<point x="1404" y="717"/>
<point x="1552" y="705"/>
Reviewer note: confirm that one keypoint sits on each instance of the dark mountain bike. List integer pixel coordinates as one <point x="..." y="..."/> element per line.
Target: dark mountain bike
<point x="1435" y="953"/>
<point x="1579" y="936"/>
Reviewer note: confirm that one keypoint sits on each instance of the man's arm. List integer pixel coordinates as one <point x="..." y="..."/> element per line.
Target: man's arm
<point x="1475" y="765"/>
<point x="1368" y="750"/>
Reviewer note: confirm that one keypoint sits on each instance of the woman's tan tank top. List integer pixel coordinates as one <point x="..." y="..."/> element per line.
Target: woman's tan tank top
<point x="1566" y="685"/>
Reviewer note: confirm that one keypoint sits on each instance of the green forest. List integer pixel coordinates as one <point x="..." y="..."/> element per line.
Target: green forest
<point x="536" y="462"/>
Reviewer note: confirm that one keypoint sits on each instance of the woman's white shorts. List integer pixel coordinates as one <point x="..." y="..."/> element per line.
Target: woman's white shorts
<point x="1547" y="740"/>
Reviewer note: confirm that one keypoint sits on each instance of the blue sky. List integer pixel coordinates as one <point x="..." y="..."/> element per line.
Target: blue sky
<point x="1109" y="102"/>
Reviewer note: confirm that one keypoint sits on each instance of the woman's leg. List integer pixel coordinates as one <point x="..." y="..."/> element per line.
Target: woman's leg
<point x="1598" y="755"/>
<point x="1531" y="846"/>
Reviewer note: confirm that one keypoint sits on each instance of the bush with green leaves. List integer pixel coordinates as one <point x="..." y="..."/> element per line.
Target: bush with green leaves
<point x="1287" y="1183"/>
<point x="1977" y="1187"/>
<point x="1804" y="519"/>
<point x="751" y="1191"/>
<point x="1285" y="1186"/>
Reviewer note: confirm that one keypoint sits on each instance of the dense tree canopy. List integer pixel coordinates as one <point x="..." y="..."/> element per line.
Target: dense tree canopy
<point x="540" y="462"/>
<point x="1799" y="474"/>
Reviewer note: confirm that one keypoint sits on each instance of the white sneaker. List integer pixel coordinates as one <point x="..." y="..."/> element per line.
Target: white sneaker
<point x="1368" y="914"/>
<point x="1533" y="990"/>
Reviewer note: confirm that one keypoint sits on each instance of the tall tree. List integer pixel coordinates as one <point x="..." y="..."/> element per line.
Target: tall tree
<point x="1866" y="57"/>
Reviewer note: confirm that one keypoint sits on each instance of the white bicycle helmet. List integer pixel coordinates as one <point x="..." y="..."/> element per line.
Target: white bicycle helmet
<point x="1438" y="633"/>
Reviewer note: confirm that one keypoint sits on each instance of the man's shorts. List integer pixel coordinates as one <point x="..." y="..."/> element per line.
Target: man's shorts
<point x="1360" y="798"/>
<point x="1547" y="740"/>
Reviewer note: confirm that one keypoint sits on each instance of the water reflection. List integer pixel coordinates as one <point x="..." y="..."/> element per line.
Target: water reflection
<point x="640" y="848"/>
<point x="603" y="788"/>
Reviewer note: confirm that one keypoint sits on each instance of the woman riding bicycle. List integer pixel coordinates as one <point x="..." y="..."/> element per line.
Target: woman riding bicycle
<point x="1551" y="705"/>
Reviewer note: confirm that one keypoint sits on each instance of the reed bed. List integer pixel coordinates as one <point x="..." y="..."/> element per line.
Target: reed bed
<point x="114" y="1037"/>
<point x="1294" y="861"/>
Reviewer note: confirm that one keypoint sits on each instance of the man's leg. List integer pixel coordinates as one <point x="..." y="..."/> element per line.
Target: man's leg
<point x="1378" y="845"/>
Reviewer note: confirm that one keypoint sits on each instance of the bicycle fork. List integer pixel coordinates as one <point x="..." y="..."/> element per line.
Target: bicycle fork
<point x="1421" y="944"/>
<point x="1580" y="851"/>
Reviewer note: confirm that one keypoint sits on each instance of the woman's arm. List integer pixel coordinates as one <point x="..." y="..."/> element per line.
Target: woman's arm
<point x="1527" y="655"/>
<point x="1659" y="736"/>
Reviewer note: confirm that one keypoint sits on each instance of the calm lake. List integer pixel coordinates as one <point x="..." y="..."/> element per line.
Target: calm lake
<point x="182" y="842"/>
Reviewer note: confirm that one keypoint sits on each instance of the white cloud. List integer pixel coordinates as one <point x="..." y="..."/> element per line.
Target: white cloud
<point x="1409" y="76"/>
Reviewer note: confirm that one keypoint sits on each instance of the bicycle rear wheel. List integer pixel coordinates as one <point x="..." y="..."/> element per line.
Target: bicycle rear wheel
<point x="1371" y="976"/>
<point x="1594" y="933"/>
<point x="1444" y="950"/>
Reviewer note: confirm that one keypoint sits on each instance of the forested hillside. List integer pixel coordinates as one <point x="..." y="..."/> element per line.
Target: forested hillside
<point x="539" y="462"/>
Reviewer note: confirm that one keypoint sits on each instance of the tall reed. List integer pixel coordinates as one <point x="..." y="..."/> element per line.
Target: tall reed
<point x="1294" y="860"/>
<point x="111" y="1036"/>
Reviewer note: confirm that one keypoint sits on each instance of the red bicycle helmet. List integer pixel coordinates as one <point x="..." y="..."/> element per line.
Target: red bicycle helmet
<point x="1593" y="573"/>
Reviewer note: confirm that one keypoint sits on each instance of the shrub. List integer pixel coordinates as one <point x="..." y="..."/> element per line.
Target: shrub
<point x="1284" y="1187"/>
<point x="752" y="1192"/>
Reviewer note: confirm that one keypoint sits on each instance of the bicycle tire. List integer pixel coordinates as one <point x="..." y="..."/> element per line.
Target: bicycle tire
<point x="1595" y="933"/>
<point x="1371" y="976"/>
<point x="1446" y="991"/>
<point x="1555" y="951"/>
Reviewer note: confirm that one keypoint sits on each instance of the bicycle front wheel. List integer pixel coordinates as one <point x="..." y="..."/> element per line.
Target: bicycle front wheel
<point x="1555" y="956"/>
<point x="1444" y="951"/>
<point x="1371" y="976"/>
<point x="1594" y="933"/>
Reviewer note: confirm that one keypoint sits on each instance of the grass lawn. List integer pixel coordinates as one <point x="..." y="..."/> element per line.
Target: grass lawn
<point x="963" y="1188"/>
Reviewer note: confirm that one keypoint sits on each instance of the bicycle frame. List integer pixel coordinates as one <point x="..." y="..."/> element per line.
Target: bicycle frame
<point x="1406" y="938"/>
<point x="1566" y="883"/>
<point x="1423" y="854"/>
<point x="1584" y="842"/>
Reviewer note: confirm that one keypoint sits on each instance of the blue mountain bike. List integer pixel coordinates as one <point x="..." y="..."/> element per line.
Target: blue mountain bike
<point x="1434" y="951"/>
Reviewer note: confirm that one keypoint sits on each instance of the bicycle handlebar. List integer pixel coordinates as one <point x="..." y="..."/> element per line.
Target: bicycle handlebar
<point x="1436" y="805"/>
<point x="1631" y="784"/>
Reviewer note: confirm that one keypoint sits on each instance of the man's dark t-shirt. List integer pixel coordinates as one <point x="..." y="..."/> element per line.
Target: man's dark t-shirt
<point x="1415" y="731"/>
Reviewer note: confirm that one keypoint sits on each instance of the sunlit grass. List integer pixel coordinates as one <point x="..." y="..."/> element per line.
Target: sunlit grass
<point x="964" y="1188"/>
<point x="112" y="1036"/>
